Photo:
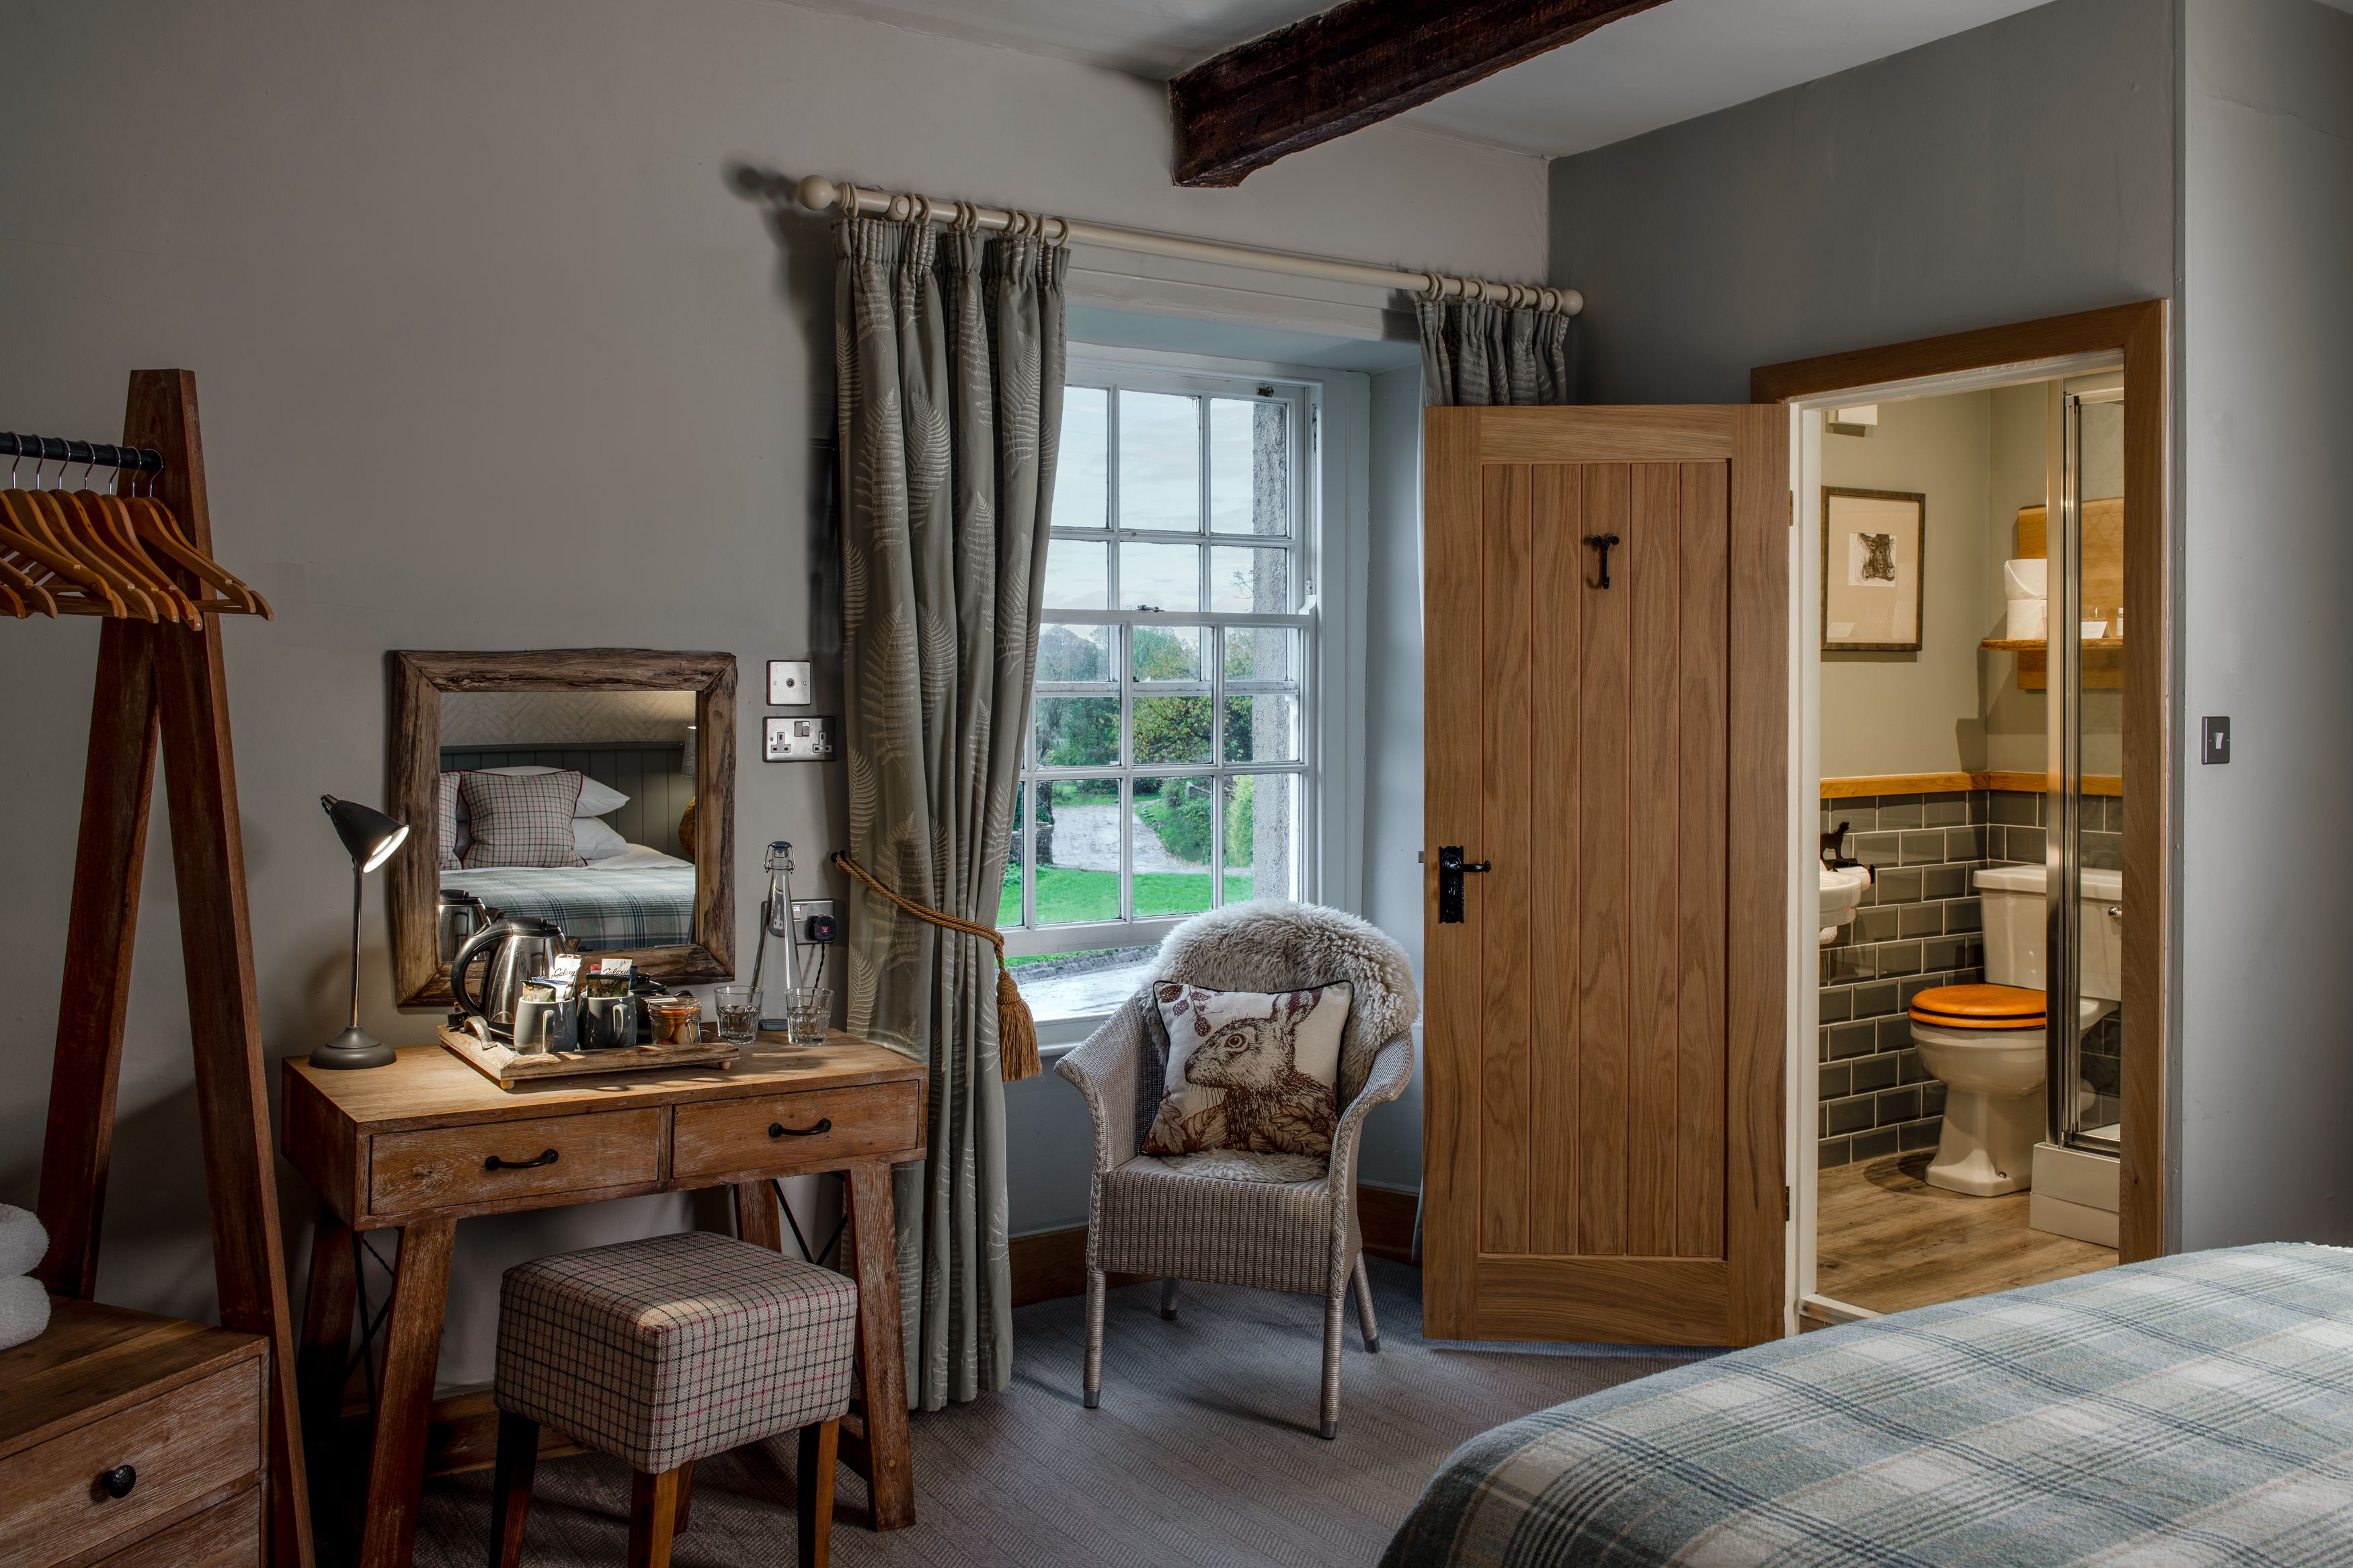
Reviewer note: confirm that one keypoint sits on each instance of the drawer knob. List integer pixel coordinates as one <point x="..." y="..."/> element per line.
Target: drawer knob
<point x="778" y="1129"/>
<point x="547" y="1157"/>
<point x="118" y="1481"/>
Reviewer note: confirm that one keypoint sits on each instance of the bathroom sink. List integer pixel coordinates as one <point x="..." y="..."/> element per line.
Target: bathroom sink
<point x="1842" y="891"/>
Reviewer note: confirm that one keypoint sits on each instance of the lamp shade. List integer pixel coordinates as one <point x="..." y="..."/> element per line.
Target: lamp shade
<point x="367" y="833"/>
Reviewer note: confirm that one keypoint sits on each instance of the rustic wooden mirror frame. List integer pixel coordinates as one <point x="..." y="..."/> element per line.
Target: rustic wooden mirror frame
<point x="419" y="679"/>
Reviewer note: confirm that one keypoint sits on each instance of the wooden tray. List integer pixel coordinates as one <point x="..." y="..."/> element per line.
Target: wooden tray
<point x="500" y="1065"/>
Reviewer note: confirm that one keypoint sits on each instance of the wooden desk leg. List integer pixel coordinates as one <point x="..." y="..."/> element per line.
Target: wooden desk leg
<point x="420" y="1294"/>
<point x="325" y="1353"/>
<point x="881" y="1353"/>
<point x="757" y="1219"/>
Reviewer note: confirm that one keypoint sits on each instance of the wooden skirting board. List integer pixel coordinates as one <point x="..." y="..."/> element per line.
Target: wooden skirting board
<point x="1937" y="783"/>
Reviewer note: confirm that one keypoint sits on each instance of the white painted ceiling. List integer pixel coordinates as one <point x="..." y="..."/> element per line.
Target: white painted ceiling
<point x="1684" y="59"/>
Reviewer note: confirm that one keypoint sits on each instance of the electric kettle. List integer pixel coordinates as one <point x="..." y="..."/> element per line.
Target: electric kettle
<point x="516" y="948"/>
<point x="457" y="914"/>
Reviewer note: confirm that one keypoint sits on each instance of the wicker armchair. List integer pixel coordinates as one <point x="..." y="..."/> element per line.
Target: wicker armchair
<point x="1273" y="1222"/>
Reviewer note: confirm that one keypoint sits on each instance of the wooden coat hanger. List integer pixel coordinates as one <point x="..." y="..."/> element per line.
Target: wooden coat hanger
<point x="29" y="538"/>
<point x="155" y="526"/>
<point x="93" y="554"/>
<point x="22" y="587"/>
<point x="115" y="533"/>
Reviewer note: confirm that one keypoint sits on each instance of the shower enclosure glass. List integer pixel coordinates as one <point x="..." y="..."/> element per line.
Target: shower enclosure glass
<point x="2087" y="904"/>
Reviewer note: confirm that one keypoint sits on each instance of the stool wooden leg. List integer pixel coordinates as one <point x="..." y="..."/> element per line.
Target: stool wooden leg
<point x="511" y="1487"/>
<point x="685" y="1496"/>
<point x="820" y="1447"/>
<point x="653" y="1516"/>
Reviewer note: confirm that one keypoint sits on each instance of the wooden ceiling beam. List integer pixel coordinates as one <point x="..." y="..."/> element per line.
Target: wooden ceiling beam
<point x="1354" y="66"/>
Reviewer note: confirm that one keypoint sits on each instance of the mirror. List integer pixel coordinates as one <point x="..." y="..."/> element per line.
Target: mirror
<point x="593" y="788"/>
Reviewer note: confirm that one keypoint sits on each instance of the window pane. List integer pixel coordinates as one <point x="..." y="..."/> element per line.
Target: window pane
<point x="1078" y="731"/>
<point x="1248" y="579"/>
<point x="1167" y="653"/>
<point x="1078" y="851"/>
<point x="1078" y="575"/>
<point x="1075" y="653"/>
<point x="1173" y="820"/>
<point x="1081" y="985"/>
<point x="1082" y="461"/>
<point x="1172" y="729"/>
<point x="1009" y="902"/>
<point x="1261" y="653"/>
<point x="1159" y="461"/>
<point x="1262" y="828"/>
<point x="1261" y="730"/>
<point x="1160" y="576"/>
<point x="1249" y="466"/>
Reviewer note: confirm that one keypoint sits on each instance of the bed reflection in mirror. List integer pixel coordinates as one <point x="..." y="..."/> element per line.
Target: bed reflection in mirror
<point x="586" y="800"/>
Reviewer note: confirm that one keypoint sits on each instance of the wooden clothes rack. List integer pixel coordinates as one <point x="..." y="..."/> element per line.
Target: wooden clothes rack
<point x="164" y="682"/>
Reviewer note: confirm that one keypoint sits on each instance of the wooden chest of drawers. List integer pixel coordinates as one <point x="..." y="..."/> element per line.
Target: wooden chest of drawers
<point x="133" y="1441"/>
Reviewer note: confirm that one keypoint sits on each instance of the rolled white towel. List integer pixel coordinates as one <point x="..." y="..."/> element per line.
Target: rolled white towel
<point x="23" y="1242"/>
<point x="23" y="1310"/>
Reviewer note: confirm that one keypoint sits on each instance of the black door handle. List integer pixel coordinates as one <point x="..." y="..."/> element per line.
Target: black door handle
<point x="1604" y="542"/>
<point x="117" y="1482"/>
<point x="547" y="1157"/>
<point x="778" y="1129"/>
<point x="1451" y="868"/>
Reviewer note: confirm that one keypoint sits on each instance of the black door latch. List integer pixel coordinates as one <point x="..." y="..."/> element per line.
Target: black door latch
<point x="1451" y="867"/>
<point x="1604" y="542"/>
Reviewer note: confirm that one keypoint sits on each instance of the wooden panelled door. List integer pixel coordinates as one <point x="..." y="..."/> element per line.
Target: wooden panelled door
<point x="1607" y="742"/>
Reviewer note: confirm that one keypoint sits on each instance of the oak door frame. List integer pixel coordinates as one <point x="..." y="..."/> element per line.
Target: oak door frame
<point x="1758" y="858"/>
<point x="413" y="761"/>
<point x="2141" y="332"/>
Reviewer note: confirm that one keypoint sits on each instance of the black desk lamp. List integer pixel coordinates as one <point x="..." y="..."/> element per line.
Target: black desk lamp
<point x="371" y="836"/>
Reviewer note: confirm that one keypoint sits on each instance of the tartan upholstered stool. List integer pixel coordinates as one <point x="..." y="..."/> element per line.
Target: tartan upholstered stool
<point x="663" y="1352"/>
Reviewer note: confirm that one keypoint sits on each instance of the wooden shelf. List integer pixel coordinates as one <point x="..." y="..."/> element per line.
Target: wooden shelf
<point x="2038" y="644"/>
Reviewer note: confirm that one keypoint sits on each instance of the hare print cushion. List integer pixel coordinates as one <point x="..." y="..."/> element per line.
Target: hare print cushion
<point x="1248" y="1071"/>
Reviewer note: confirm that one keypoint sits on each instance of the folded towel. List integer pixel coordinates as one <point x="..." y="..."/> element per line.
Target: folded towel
<point x="23" y="1242"/>
<point x="23" y="1310"/>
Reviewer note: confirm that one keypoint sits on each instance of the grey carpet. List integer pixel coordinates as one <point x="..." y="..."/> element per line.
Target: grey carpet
<point x="1203" y="1452"/>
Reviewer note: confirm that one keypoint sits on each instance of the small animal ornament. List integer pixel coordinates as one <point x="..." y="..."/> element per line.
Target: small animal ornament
<point x="1246" y="1089"/>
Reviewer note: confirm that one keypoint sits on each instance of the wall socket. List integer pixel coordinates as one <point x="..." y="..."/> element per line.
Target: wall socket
<point x="786" y="739"/>
<point x="805" y="910"/>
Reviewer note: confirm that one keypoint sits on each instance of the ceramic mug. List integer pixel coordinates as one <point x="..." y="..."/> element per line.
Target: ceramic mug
<point x="543" y="1027"/>
<point x="608" y="1023"/>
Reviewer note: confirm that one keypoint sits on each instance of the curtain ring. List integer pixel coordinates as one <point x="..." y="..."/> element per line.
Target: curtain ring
<point x="923" y="206"/>
<point x="849" y="200"/>
<point x="1061" y="230"/>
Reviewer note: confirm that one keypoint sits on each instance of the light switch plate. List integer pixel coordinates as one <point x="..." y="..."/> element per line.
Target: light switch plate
<point x="788" y="683"/>
<point x="2215" y="740"/>
<point x="789" y="740"/>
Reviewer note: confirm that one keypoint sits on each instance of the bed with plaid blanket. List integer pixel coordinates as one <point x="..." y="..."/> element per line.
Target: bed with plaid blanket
<point x="2195" y="1409"/>
<point x="601" y="910"/>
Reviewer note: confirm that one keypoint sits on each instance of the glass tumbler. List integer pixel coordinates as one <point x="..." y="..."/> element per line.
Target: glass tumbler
<point x="806" y="1014"/>
<point x="739" y="1012"/>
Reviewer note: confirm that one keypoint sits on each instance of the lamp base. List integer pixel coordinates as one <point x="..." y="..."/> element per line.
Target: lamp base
<point x="354" y="1048"/>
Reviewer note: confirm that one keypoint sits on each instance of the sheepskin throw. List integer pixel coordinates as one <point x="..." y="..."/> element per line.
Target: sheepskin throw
<point x="1250" y="1070"/>
<point x="1275" y="944"/>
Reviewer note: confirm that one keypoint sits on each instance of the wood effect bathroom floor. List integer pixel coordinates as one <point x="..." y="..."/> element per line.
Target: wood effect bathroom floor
<point x="1887" y="1240"/>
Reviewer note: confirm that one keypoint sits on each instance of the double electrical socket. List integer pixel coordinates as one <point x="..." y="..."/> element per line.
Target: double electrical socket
<point x="786" y="739"/>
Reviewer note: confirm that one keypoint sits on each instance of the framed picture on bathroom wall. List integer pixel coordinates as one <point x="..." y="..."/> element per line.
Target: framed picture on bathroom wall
<point x="1872" y="542"/>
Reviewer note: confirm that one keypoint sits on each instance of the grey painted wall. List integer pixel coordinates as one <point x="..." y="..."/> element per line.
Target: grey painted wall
<point x="493" y="355"/>
<point x="2023" y="169"/>
<point x="2267" y="572"/>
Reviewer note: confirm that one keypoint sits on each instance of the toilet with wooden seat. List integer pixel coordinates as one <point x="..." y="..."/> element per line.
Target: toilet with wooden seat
<point x="1986" y="1042"/>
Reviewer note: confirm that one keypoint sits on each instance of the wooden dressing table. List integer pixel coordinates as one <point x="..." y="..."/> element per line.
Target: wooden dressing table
<point x="418" y="1145"/>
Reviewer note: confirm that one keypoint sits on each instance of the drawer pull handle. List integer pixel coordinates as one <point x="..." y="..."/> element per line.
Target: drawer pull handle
<point x="547" y="1157"/>
<point x="118" y="1481"/>
<point x="778" y="1129"/>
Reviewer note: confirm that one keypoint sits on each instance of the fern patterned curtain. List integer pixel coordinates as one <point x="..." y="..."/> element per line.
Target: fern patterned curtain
<point x="949" y="355"/>
<point x="1476" y="352"/>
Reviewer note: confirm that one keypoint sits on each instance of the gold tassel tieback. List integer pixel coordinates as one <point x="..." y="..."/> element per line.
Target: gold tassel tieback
<point x="1016" y="1031"/>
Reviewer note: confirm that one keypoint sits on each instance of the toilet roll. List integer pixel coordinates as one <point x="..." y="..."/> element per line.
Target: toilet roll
<point x="2029" y="620"/>
<point x="2026" y="579"/>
